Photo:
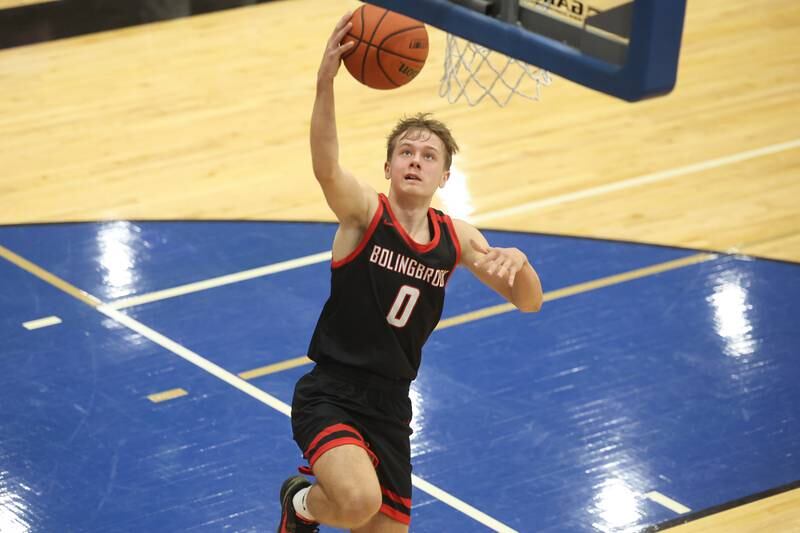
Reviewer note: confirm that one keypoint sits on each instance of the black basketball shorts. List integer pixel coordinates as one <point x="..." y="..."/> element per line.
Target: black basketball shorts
<point x="334" y="405"/>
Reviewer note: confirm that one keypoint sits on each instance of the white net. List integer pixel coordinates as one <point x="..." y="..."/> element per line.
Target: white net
<point x="475" y="72"/>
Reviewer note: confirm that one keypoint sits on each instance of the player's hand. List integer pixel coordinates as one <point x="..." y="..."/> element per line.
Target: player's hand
<point x="334" y="49"/>
<point x="501" y="262"/>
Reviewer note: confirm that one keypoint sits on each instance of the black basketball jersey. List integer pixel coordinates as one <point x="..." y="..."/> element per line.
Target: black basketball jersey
<point x="386" y="296"/>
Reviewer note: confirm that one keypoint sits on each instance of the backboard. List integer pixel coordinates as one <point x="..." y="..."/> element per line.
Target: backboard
<point x="625" y="48"/>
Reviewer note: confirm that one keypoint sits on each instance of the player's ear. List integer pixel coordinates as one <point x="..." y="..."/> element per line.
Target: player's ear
<point x="386" y="167"/>
<point x="445" y="177"/>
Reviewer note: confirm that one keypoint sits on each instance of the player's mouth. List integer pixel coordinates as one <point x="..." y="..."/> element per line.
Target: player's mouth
<point x="412" y="177"/>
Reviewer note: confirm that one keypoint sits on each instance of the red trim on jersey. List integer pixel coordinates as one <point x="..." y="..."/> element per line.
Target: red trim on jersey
<point x="364" y="240"/>
<point x="394" y="514"/>
<point x="454" y="236"/>
<point x="414" y="245"/>
<point x="396" y="497"/>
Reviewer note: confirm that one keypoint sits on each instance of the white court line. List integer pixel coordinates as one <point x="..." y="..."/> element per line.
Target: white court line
<point x="41" y="323"/>
<point x="220" y="280"/>
<point x="524" y="208"/>
<point x="636" y="182"/>
<point x="181" y="351"/>
<point x="459" y="505"/>
<point x="234" y="380"/>
<point x="667" y="502"/>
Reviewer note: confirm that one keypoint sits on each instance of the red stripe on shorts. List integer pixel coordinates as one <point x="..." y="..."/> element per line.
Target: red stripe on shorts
<point x="396" y="497"/>
<point x="341" y="442"/>
<point x="394" y="514"/>
<point x="332" y="429"/>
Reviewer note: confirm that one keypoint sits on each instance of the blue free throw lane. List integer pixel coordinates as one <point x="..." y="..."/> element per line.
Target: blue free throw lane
<point x="673" y="381"/>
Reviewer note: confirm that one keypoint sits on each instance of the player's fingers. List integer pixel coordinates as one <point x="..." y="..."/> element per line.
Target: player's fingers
<point x="505" y="268"/>
<point x="509" y="267"/>
<point x="343" y="30"/>
<point x="494" y="255"/>
<point x="338" y="35"/>
<point x="511" y="277"/>
<point x="343" y="48"/>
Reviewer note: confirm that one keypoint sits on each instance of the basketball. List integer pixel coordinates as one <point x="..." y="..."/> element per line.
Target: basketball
<point x="390" y="48"/>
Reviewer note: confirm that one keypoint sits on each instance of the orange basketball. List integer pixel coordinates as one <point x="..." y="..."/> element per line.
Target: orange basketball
<point x="390" y="48"/>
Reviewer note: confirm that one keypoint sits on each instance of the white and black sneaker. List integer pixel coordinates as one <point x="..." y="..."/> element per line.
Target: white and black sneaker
<point x="290" y="522"/>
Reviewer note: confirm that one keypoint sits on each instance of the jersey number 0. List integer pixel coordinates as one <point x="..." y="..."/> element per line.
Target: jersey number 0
<point x="403" y="305"/>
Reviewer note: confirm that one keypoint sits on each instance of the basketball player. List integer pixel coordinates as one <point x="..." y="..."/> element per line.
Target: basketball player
<point x="392" y="256"/>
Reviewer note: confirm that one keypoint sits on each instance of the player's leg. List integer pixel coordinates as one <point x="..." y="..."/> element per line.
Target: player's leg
<point x="347" y="493"/>
<point x="380" y="523"/>
<point x="388" y="434"/>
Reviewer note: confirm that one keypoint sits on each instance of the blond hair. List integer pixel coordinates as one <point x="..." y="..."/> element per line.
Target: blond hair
<point x="418" y="123"/>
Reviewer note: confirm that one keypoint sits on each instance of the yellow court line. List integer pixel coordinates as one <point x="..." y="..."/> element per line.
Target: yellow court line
<point x="299" y="361"/>
<point x="52" y="279"/>
<point x="41" y="323"/>
<point x="275" y="367"/>
<point x="166" y="395"/>
<point x="443" y="324"/>
<point x="231" y="379"/>
<point x="507" y="307"/>
<point x="580" y="288"/>
<point x="667" y="502"/>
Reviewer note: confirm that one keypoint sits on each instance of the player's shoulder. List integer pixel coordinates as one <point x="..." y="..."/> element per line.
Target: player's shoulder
<point x="464" y="230"/>
<point x="466" y="233"/>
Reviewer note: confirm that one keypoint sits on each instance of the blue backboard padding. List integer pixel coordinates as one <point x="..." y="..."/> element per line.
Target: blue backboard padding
<point x="650" y="69"/>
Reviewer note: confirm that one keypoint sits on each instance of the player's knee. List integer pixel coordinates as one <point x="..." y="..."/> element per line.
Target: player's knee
<point x="357" y="504"/>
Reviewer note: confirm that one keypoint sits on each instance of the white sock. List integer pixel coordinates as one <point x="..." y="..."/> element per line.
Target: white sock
<point x="300" y="507"/>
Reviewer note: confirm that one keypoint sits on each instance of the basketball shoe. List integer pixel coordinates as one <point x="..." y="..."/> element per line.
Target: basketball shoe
<point x="290" y="522"/>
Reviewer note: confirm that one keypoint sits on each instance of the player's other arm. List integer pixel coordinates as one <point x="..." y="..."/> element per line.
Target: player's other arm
<point x="350" y="200"/>
<point x="506" y="270"/>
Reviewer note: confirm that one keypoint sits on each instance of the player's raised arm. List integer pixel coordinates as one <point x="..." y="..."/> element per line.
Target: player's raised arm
<point x="506" y="270"/>
<point x="350" y="200"/>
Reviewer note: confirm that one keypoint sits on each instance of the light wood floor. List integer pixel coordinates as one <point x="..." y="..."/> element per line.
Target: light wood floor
<point x="207" y="118"/>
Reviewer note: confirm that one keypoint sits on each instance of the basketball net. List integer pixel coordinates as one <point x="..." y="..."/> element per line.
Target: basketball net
<point x="474" y="72"/>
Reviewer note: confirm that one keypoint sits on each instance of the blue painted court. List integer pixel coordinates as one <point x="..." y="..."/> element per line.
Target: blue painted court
<point x="633" y="383"/>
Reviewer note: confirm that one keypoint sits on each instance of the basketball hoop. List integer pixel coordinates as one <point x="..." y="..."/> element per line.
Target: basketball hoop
<point x="475" y="72"/>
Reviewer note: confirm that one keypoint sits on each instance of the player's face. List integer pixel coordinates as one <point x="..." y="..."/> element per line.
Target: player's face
<point x="417" y="164"/>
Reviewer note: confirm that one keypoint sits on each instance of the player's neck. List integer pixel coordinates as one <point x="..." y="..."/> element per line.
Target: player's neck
<point x="412" y="214"/>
